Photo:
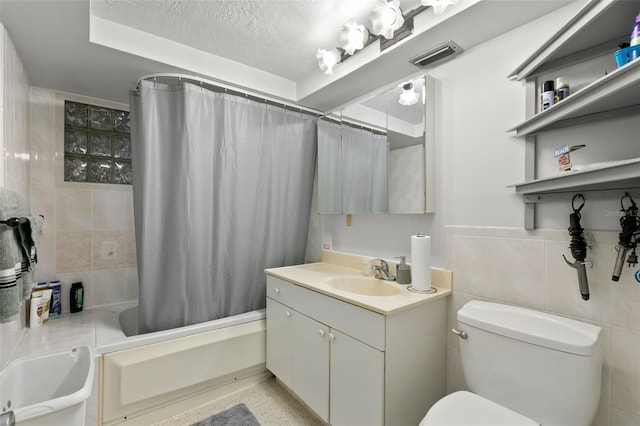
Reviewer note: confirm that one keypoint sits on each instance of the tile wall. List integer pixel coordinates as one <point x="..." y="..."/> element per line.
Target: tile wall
<point x="526" y="268"/>
<point x="15" y="167"/>
<point x="89" y="233"/>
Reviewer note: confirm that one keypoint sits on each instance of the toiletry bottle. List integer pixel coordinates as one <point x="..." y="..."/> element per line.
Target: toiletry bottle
<point x="35" y="310"/>
<point x="76" y="297"/>
<point x="562" y="88"/>
<point x="547" y="95"/>
<point x="403" y="271"/>
<point x="55" y="309"/>
<point x="635" y="33"/>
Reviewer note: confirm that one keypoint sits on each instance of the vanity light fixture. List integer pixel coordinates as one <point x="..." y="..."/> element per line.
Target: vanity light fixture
<point x="327" y="59"/>
<point x="388" y="24"/>
<point x="408" y="96"/>
<point x="386" y="18"/>
<point x="353" y="37"/>
<point x="439" y="6"/>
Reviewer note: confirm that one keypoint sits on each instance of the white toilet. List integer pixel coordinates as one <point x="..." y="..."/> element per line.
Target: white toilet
<point x="524" y="367"/>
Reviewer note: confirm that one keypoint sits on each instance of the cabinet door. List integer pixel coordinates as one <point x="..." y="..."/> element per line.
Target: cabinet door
<point x="311" y="364"/>
<point x="357" y="382"/>
<point x="280" y="341"/>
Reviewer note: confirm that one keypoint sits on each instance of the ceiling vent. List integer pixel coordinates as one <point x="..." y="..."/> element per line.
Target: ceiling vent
<point x="436" y="55"/>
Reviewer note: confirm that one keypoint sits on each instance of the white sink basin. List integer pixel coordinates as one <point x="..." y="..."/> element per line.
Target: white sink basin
<point x="366" y="286"/>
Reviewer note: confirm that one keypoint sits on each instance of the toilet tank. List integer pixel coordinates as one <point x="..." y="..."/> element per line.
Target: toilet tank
<point x="543" y="366"/>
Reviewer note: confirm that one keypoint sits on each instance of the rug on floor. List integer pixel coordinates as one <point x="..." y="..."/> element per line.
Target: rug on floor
<point x="238" y="415"/>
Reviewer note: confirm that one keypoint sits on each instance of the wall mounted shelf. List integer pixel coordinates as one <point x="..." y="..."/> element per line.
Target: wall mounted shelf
<point x="612" y="96"/>
<point x="617" y="175"/>
<point x="594" y="31"/>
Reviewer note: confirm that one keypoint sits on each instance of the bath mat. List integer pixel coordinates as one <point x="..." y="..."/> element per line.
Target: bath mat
<point x="238" y="415"/>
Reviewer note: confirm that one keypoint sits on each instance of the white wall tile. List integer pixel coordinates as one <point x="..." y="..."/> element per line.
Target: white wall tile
<point x="9" y="76"/>
<point x="108" y="210"/>
<point x="73" y="251"/>
<point x="73" y="209"/>
<point x="517" y="275"/>
<point x="563" y="294"/>
<point x="625" y="375"/>
<point x="607" y="362"/>
<point x="107" y="287"/>
<point x="472" y="263"/>
<point x="626" y="299"/>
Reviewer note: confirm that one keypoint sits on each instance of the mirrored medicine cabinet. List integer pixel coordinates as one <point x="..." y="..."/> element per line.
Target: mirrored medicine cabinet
<point x="375" y="156"/>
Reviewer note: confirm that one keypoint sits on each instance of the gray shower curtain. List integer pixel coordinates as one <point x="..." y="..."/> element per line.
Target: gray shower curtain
<point x="222" y="189"/>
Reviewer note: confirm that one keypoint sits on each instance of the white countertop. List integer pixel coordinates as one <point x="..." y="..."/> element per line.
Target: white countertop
<point x="314" y="275"/>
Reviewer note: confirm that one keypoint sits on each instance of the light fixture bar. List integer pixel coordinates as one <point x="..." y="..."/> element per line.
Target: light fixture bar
<point x="402" y="33"/>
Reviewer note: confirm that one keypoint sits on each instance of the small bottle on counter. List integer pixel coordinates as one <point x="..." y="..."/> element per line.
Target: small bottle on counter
<point x="76" y="297"/>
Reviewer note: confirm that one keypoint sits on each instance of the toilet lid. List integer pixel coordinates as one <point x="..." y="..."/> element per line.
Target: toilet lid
<point x="464" y="408"/>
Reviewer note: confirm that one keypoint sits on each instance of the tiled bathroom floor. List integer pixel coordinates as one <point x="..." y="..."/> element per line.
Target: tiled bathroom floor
<point x="269" y="402"/>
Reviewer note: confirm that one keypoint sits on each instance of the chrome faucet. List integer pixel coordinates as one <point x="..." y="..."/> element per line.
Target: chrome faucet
<point x="382" y="271"/>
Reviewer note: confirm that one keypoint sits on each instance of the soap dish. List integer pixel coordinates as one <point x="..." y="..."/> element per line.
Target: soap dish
<point x="430" y="291"/>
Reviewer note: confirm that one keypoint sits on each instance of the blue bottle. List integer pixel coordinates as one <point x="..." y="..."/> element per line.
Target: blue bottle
<point x="55" y="309"/>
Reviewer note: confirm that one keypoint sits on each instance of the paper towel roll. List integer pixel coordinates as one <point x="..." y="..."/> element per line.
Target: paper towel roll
<point x="421" y="262"/>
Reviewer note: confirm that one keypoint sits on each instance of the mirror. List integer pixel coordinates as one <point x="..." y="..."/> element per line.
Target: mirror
<point x="375" y="156"/>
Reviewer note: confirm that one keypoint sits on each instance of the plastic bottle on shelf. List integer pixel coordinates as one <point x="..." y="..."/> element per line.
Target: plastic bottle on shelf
<point x="562" y="88"/>
<point x="547" y="94"/>
<point x="635" y="33"/>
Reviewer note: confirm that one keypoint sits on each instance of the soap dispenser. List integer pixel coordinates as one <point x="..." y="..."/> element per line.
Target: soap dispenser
<point x="403" y="271"/>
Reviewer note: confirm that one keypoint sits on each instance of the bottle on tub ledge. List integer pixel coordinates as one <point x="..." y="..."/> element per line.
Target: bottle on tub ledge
<point x="55" y="307"/>
<point x="39" y="304"/>
<point x="76" y="297"/>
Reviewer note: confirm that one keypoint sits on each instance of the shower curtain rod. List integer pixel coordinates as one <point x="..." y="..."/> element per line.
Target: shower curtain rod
<point x="211" y="84"/>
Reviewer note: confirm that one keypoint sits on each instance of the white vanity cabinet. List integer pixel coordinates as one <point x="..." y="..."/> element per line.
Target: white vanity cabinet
<point x="280" y="341"/>
<point x="353" y="366"/>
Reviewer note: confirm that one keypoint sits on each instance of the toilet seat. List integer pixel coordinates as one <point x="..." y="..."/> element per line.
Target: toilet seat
<point x="464" y="408"/>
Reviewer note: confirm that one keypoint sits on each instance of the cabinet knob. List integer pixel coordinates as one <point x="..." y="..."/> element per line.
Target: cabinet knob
<point x="332" y="336"/>
<point x="287" y="313"/>
<point x="277" y="290"/>
<point x="321" y="333"/>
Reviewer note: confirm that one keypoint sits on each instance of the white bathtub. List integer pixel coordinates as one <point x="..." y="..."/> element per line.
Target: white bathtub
<point x="147" y="375"/>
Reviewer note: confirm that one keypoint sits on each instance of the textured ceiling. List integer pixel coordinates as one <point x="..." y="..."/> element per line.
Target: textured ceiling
<point x="273" y="43"/>
<point x="277" y="36"/>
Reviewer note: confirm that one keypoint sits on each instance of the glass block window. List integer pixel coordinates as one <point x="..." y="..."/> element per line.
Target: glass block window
<point x="97" y="144"/>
